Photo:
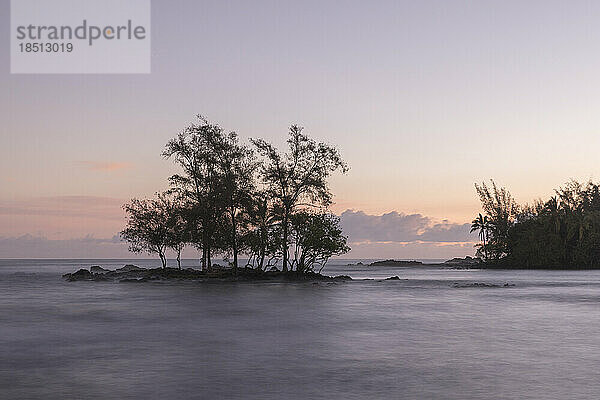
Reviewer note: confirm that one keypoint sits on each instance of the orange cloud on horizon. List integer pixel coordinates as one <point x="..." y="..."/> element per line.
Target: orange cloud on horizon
<point x="104" y="165"/>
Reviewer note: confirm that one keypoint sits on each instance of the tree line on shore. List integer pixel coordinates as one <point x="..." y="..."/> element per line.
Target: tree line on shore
<point x="563" y="231"/>
<point x="241" y="201"/>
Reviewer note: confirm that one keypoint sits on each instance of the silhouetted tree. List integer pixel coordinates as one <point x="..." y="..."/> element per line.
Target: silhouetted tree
<point x="215" y="203"/>
<point x="178" y="232"/>
<point x="501" y="210"/>
<point x="238" y="167"/>
<point x="262" y="241"/>
<point x="562" y="232"/>
<point x="482" y="224"/>
<point x="298" y="178"/>
<point x="148" y="226"/>
<point x="196" y="150"/>
<point x="316" y="237"/>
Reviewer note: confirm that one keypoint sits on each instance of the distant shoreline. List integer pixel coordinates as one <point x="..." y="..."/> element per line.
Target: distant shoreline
<point x="537" y="268"/>
<point x="467" y="263"/>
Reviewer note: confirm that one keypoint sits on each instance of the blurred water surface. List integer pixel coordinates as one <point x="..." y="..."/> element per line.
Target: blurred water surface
<point x="426" y="336"/>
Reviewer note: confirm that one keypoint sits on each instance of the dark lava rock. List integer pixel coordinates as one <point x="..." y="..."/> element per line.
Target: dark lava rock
<point x="475" y="284"/>
<point x="131" y="273"/>
<point x="393" y="278"/>
<point x="129" y="268"/>
<point x="81" y="275"/>
<point x="395" y="263"/>
<point x="96" y="269"/>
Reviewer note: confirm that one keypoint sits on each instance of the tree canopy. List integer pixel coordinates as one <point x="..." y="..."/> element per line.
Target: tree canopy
<point x="228" y="201"/>
<point x="563" y="231"/>
<point x="297" y="178"/>
<point x="150" y="225"/>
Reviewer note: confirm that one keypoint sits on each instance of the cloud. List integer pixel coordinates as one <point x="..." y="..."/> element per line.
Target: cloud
<point x="65" y="206"/>
<point x="29" y="246"/>
<point x="60" y="217"/>
<point x="88" y="246"/>
<point x="390" y="235"/>
<point x="104" y="166"/>
<point x="398" y="227"/>
<point x="399" y="235"/>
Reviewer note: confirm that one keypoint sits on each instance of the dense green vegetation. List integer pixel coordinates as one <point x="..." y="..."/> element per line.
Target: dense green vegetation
<point x="561" y="232"/>
<point x="231" y="199"/>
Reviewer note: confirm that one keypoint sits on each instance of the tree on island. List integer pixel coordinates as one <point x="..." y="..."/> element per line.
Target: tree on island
<point x="225" y="201"/>
<point x="297" y="178"/>
<point x="262" y="241"/>
<point x="196" y="149"/>
<point x="178" y="233"/>
<point x="148" y="225"/>
<point x="316" y="237"/>
<point x="238" y="167"/>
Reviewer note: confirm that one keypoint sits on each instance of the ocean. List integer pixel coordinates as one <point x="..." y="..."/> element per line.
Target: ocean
<point x="436" y="333"/>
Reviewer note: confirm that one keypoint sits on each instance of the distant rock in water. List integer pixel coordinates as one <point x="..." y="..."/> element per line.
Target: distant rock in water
<point x="463" y="262"/>
<point x="96" y="269"/>
<point x="129" y="268"/>
<point x="480" y="285"/>
<point x="395" y="263"/>
<point x="81" y="275"/>
<point x="393" y="278"/>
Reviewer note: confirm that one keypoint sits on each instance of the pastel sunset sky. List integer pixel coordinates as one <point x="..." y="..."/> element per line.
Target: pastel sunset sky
<point x="423" y="98"/>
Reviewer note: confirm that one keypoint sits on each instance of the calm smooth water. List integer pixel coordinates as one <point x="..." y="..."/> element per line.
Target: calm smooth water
<point x="417" y="338"/>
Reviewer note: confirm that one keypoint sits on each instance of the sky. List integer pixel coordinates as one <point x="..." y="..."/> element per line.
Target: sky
<point x="423" y="99"/>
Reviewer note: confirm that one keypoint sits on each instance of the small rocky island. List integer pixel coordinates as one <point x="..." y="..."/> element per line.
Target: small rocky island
<point x="395" y="263"/>
<point x="388" y="263"/>
<point x="133" y="273"/>
<point x="455" y="263"/>
<point x="464" y="263"/>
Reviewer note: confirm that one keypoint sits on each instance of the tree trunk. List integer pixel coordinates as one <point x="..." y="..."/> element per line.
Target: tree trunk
<point x="234" y="239"/>
<point x="263" y="247"/>
<point x="285" y="240"/>
<point x="163" y="260"/>
<point x="203" y="258"/>
<point x="208" y="258"/>
<point x="301" y="264"/>
<point x="262" y="258"/>
<point x="179" y="258"/>
<point x="484" y="248"/>
<point x="206" y="246"/>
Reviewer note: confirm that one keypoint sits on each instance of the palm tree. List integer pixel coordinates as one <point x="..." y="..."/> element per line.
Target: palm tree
<point x="483" y="225"/>
<point x="581" y="224"/>
<point x="553" y="209"/>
